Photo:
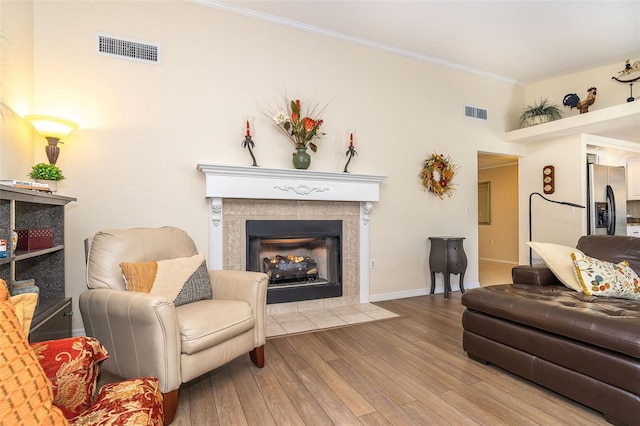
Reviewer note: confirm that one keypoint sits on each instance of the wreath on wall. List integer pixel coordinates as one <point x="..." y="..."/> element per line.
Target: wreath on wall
<point x="437" y="175"/>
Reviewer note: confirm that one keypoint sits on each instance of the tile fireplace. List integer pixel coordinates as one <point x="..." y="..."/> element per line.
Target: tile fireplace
<point x="241" y="196"/>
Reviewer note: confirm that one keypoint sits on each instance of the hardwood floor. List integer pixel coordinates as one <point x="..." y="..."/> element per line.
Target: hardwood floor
<point x="491" y="273"/>
<point x="409" y="370"/>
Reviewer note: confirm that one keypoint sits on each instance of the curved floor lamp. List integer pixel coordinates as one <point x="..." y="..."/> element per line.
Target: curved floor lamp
<point x="564" y="203"/>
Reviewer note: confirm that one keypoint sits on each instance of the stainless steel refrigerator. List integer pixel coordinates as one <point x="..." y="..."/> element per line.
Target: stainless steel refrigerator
<point x="606" y="200"/>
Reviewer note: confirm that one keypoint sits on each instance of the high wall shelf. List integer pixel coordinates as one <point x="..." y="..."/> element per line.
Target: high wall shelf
<point x="613" y="122"/>
<point x="29" y="209"/>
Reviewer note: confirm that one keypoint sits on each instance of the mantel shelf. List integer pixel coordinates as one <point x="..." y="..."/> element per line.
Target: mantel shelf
<point x="593" y="122"/>
<point x="285" y="184"/>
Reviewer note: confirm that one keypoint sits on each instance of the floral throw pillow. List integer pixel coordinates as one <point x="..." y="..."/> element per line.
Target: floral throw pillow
<point x="600" y="278"/>
<point x="127" y="403"/>
<point x="72" y="365"/>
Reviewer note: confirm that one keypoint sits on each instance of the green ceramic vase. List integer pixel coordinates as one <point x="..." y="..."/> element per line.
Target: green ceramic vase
<point x="301" y="158"/>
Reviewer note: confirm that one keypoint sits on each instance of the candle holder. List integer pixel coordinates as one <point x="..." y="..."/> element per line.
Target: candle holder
<point x="248" y="143"/>
<point x="351" y="152"/>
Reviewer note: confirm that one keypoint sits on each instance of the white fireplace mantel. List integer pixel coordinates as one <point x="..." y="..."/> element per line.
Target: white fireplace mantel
<point x="283" y="184"/>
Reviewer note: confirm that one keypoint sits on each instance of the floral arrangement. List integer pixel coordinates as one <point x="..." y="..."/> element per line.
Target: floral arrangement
<point x="299" y="127"/>
<point x="437" y="174"/>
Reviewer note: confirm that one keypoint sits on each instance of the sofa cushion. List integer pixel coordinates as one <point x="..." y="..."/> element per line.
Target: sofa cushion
<point x="604" y="322"/>
<point x="25" y="305"/>
<point x="558" y="260"/>
<point x="200" y="330"/>
<point x="612" y="248"/>
<point x="131" y="402"/>
<point x="26" y="393"/>
<point x="72" y="366"/>
<point x="183" y="280"/>
<point x="605" y="279"/>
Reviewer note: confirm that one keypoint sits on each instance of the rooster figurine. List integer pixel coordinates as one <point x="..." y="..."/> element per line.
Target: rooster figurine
<point x="572" y="100"/>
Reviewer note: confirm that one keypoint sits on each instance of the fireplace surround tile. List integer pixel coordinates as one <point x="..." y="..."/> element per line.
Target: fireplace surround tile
<point x="237" y="212"/>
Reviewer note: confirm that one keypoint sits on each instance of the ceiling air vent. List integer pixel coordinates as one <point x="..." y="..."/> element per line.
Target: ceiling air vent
<point x="128" y="49"/>
<point x="477" y="113"/>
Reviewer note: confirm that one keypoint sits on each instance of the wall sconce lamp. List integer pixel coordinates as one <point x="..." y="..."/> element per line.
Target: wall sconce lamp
<point x="564" y="203"/>
<point x="54" y="130"/>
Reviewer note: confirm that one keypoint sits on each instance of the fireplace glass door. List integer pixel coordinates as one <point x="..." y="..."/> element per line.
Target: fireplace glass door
<point x="303" y="258"/>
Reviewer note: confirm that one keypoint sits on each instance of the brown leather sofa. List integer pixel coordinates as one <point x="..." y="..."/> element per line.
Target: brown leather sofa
<point x="586" y="348"/>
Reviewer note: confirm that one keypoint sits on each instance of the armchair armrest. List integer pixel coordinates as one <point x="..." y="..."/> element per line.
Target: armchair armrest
<point x="133" y="326"/>
<point x="250" y="287"/>
<point x="537" y="274"/>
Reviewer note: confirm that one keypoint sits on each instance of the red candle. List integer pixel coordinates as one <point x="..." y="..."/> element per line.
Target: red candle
<point x="350" y="139"/>
<point x="248" y="129"/>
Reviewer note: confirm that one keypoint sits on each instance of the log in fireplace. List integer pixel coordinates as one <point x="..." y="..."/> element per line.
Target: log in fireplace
<point x="303" y="258"/>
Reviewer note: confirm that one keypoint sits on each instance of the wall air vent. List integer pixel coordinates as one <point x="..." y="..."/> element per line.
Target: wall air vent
<point x="128" y="49"/>
<point x="477" y="113"/>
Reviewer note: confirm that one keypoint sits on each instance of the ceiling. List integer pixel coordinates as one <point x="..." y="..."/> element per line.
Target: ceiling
<point x="519" y="41"/>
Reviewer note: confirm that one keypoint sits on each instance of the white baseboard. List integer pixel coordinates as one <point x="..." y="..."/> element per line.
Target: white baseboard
<point x="414" y="293"/>
<point x="509" y="262"/>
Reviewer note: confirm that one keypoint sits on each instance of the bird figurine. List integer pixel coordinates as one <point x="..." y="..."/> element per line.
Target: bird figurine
<point x="573" y="101"/>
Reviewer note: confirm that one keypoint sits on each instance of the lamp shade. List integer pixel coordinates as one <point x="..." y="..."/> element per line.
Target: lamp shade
<point x="52" y="127"/>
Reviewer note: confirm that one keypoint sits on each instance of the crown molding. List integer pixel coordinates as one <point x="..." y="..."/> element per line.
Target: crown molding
<point x="227" y="7"/>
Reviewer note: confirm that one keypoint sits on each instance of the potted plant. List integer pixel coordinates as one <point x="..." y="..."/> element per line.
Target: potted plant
<point x="47" y="173"/>
<point x="539" y="113"/>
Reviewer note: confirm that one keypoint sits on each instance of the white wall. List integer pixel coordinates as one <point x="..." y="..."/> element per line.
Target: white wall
<point x="551" y="222"/>
<point x="143" y="128"/>
<point x="16" y="88"/>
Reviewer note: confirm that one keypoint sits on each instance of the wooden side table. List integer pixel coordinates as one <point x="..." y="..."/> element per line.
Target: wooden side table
<point x="447" y="256"/>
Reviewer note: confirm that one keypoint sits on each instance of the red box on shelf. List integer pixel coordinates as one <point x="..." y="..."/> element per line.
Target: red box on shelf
<point x="32" y="239"/>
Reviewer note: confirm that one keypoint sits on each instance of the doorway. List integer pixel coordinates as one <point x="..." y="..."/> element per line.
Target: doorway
<point x="497" y="217"/>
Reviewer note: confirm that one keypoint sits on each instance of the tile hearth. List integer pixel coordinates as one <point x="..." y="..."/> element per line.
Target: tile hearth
<point x="316" y="319"/>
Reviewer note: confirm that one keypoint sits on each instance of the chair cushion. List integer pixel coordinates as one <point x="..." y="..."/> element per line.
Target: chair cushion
<point x="207" y="323"/>
<point x="131" y="402"/>
<point x="72" y="366"/>
<point x="183" y="280"/>
<point x="26" y="393"/>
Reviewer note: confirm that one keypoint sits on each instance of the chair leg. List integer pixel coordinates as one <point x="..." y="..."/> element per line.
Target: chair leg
<point x="257" y="356"/>
<point x="170" y="404"/>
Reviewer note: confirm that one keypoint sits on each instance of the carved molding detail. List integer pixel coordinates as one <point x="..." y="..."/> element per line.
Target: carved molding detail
<point x="367" y="208"/>
<point x="302" y="189"/>
<point x="216" y="211"/>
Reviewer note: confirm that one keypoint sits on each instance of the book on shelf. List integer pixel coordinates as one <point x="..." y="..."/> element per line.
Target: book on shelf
<point x="25" y="184"/>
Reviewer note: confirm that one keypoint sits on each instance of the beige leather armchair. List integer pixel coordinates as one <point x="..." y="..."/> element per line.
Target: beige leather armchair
<point x="146" y="335"/>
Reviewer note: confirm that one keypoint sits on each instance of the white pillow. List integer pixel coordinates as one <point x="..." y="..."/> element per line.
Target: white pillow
<point x="558" y="259"/>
